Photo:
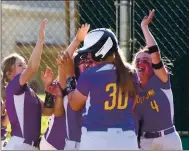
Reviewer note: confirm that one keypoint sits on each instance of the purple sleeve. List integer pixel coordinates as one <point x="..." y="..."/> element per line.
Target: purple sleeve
<point x="15" y="85"/>
<point x="83" y="84"/>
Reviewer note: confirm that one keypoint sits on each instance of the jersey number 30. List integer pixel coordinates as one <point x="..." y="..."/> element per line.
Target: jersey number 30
<point x="115" y="102"/>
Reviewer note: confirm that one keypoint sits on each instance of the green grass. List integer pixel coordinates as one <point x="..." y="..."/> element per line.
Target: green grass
<point x="42" y="96"/>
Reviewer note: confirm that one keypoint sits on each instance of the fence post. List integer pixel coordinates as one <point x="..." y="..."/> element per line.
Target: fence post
<point x="67" y="19"/>
<point x="124" y="26"/>
<point x="76" y="16"/>
<point x="132" y="39"/>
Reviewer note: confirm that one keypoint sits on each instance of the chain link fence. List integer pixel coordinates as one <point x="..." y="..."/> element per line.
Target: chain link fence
<point x="21" y="20"/>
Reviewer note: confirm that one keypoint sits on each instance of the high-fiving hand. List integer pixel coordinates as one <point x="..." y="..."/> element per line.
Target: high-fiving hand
<point x="47" y="77"/>
<point x="41" y="36"/>
<point x="82" y="32"/>
<point x="67" y="64"/>
<point x="148" y="19"/>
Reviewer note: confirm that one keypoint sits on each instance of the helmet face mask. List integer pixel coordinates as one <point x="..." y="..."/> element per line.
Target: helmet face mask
<point x="101" y="43"/>
<point x="82" y="62"/>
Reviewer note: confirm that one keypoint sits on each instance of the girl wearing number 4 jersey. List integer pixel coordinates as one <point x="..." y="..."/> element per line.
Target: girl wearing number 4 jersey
<point x="154" y="105"/>
<point x="106" y="92"/>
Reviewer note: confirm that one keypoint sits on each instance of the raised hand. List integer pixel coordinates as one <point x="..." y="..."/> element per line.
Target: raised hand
<point x="68" y="65"/>
<point x="41" y="36"/>
<point x="82" y="32"/>
<point x="47" y="77"/>
<point x="61" y="72"/>
<point x="148" y="19"/>
<point x="54" y="89"/>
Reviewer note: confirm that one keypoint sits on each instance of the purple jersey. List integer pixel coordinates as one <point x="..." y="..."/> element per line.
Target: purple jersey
<point x="56" y="132"/>
<point x="68" y="126"/>
<point x="24" y="110"/>
<point x="106" y="106"/>
<point x="73" y="122"/>
<point x="155" y="105"/>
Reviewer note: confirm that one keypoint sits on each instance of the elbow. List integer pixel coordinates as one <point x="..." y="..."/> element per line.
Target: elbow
<point x="33" y="68"/>
<point x="164" y="79"/>
<point x="4" y="123"/>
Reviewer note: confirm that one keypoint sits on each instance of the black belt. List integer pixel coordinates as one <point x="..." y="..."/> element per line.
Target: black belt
<point x="106" y="129"/>
<point x="159" y="134"/>
<point x="32" y="143"/>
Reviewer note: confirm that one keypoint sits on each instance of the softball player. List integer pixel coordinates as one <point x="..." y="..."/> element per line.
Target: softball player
<point x="23" y="107"/>
<point x="154" y="105"/>
<point x="106" y="93"/>
<point x="68" y="126"/>
<point x="64" y="132"/>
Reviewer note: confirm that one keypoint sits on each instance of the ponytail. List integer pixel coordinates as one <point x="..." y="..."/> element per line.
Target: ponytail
<point x="3" y="88"/>
<point x="124" y="75"/>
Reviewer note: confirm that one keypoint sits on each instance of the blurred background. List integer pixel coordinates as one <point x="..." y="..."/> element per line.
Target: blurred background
<point x="20" y="22"/>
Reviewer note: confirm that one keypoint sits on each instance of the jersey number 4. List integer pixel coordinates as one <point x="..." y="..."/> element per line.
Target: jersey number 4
<point x="115" y="102"/>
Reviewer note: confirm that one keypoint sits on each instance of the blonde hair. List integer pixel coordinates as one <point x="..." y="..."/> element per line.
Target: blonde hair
<point x="6" y="67"/>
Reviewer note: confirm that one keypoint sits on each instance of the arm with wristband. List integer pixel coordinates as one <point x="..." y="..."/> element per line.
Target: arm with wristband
<point x="53" y="100"/>
<point x="75" y="98"/>
<point x="157" y="64"/>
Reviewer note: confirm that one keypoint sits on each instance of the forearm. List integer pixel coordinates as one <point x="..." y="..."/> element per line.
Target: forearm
<point x="157" y="65"/>
<point x="72" y="47"/>
<point x="58" y="106"/>
<point x="62" y="78"/>
<point x="34" y="61"/>
<point x="150" y="41"/>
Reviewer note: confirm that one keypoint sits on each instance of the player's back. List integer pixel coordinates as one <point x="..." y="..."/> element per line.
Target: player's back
<point x="106" y="107"/>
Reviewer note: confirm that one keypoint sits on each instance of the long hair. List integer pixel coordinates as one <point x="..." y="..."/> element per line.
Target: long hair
<point x="6" y="68"/>
<point x="124" y="73"/>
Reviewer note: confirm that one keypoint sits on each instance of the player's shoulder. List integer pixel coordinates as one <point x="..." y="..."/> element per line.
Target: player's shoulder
<point x="102" y="67"/>
<point x="93" y="71"/>
<point x="14" y="81"/>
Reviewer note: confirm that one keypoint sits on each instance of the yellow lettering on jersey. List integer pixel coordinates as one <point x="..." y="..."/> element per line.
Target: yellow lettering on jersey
<point x="154" y="105"/>
<point x="111" y="104"/>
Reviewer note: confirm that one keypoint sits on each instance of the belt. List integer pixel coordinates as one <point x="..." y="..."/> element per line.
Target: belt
<point x="159" y="133"/>
<point x="32" y="143"/>
<point x="106" y="129"/>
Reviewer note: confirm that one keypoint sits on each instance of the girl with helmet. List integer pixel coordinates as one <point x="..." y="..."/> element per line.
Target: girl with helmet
<point x="105" y="93"/>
